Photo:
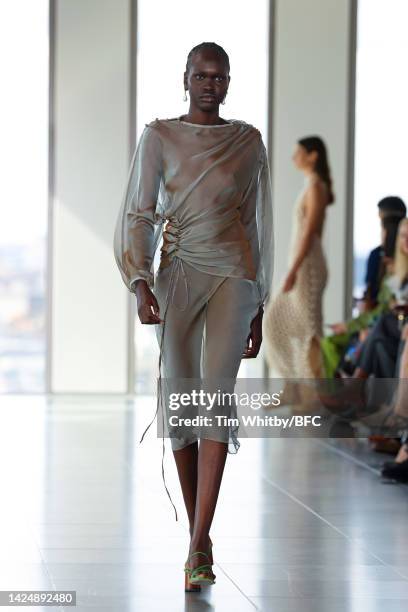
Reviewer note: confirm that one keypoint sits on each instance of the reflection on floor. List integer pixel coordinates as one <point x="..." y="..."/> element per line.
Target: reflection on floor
<point x="302" y="525"/>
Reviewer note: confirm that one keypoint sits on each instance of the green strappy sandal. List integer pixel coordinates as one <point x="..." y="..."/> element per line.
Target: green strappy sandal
<point x="210" y="551"/>
<point x="194" y="588"/>
<point x="200" y="575"/>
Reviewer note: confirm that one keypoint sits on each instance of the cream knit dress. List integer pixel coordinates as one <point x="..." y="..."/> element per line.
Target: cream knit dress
<point x="294" y="318"/>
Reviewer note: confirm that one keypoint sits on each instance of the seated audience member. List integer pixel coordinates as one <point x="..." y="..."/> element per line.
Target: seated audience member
<point x="347" y="336"/>
<point x="379" y="352"/>
<point x="390" y="206"/>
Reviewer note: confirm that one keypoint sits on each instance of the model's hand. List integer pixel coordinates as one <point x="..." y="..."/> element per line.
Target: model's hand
<point x="289" y="282"/>
<point x="254" y="339"/>
<point x="147" y="306"/>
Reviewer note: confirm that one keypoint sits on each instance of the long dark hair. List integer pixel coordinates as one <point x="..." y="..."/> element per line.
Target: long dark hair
<point x="390" y="225"/>
<point x="322" y="168"/>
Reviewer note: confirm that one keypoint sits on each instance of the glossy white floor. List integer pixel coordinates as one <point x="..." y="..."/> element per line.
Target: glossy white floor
<point x="302" y="524"/>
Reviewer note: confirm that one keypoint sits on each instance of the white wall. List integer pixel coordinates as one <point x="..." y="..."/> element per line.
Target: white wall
<point x="311" y="96"/>
<point x="89" y="301"/>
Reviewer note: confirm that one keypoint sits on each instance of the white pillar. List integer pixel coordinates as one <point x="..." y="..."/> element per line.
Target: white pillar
<point x="91" y="99"/>
<point x="313" y="79"/>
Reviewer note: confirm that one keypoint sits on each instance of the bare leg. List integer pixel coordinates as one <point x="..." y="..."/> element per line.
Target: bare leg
<point x="315" y="357"/>
<point x="187" y="467"/>
<point x="211" y="462"/>
<point x="187" y="461"/>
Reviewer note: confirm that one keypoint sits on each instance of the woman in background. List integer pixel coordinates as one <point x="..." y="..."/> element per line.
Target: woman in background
<point x="348" y="335"/>
<point x="293" y="319"/>
<point x="379" y="352"/>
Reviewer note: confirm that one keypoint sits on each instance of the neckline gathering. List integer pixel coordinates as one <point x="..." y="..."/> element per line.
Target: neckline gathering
<point x="202" y="125"/>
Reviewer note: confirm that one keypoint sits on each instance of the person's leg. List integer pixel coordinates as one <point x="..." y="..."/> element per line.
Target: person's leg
<point x="229" y="314"/>
<point x="386" y="357"/>
<point x="401" y="405"/>
<point x="187" y="464"/>
<point x="366" y="360"/>
<point x="211" y="462"/>
<point x="380" y="348"/>
<point x="181" y="354"/>
<point x="315" y="357"/>
<point x="387" y="347"/>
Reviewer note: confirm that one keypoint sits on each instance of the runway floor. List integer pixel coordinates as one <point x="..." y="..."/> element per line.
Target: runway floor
<point x="302" y="525"/>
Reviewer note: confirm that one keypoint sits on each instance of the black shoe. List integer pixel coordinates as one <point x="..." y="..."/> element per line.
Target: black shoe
<point x="396" y="471"/>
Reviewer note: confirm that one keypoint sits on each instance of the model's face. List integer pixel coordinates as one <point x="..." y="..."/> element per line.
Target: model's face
<point x="304" y="160"/>
<point x="403" y="238"/>
<point x="207" y="80"/>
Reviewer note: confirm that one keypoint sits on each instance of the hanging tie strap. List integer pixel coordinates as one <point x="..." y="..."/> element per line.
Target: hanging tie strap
<point x="176" y="268"/>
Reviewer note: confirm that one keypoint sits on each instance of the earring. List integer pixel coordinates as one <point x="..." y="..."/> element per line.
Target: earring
<point x="223" y="102"/>
<point x="185" y="96"/>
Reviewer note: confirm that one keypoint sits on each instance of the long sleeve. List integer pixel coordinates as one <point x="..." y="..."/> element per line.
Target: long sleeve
<point x="257" y="217"/>
<point x="134" y="238"/>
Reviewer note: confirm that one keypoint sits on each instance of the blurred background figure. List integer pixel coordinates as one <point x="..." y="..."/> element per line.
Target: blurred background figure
<point x="390" y="206"/>
<point x="341" y="346"/>
<point x="379" y="352"/>
<point x="293" y="319"/>
<point x="398" y="468"/>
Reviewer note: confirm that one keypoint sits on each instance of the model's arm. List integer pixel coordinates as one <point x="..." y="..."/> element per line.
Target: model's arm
<point x="257" y="217"/>
<point x="315" y="203"/>
<point x="134" y="232"/>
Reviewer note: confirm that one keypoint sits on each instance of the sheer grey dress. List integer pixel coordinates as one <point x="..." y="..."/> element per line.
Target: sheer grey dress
<point x="204" y="192"/>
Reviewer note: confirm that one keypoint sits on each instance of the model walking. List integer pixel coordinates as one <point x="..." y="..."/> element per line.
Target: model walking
<point x="208" y="179"/>
<point x="293" y="319"/>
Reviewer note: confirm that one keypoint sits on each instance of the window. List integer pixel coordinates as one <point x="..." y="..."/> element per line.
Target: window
<point x="240" y="28"/>
<point x="24" y="194"/>
<point x="381" y="125"/>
